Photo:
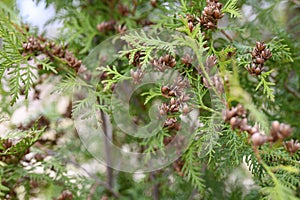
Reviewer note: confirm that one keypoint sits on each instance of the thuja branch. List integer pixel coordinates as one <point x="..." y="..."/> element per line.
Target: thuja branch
<point x="199" y="50"/>
<point x="108" y="138"/>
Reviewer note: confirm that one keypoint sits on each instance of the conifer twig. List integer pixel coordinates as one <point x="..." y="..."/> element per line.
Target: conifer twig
<point x="108" y="138"/>
<point x="155" y="190"/>
<point x="226" y="35"/>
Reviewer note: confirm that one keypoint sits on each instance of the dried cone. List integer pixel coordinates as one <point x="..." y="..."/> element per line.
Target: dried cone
<point x="163" y="109"/>
<point x="186" y="60"/>
<point x="164" y="62"/>
<point x="121" y="28"/>
<point x="217" y="82"/>
<point x="123" y="10"/>
<point x="72" y="61"/>
<point x="7" y="143"/>
<point x="253" y="69"/>
<point x="153" y="3"/>
<point x="178" y="165"/>
<point x="191" y="21"/>
<point x="185" y="109"/>
<point x="66" y="195"/>
<point x="165" y="90"/>
<point x="136" y="58"/>
<point x="279" y="131"/>
<point x="292" y="146"/>
<point x="136" y="75"/>
<point x="106" y="26"/>
<point x="52" y="50"/>
<point x="259" y="56"/>
<point x="210" y="62"/>
<point x="170" y="122"/>
<point x="211" y="14"/>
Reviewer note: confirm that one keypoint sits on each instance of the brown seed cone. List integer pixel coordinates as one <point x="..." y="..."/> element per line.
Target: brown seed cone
<point x="7" y="143"/>
<point x="259" y="56"/>
<point x="217" y="82"/>
<point x="186" y="60"/>
<point x="41" y="45"/>
<point x="178" y="165"/>
<point x="279" y="131"/>
<point x="136" y="75"/>
<point x="211" y="14"/>
<point x="65" y="195"/>
<point x="258" y="139"/>
<point x="211" y="61"/>
<point x="292" y="146"/>
<point x="106" y="26"/>
<point x="153" y="3"/>
<point x="170" y="122"/>
<point x="164" y="62"/>
<point x="254" y="69"/>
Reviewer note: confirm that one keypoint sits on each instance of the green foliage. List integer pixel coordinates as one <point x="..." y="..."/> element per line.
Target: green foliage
<point x="216" y="149"/>
<point x="151" y="94"/>
<point x="278" y="190"/>
<point x="25" y="140"/>
<point x="146" y="45"/>
<point x="13" y="62"/>
<point x="231" y="8"/>
<point x="192" y="169"/>
<point x="266" y="85"/>
<point x="117" y="77"/>
<point x="280" y="50"/>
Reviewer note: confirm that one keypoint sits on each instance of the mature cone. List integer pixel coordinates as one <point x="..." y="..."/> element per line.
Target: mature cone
<point x="211" y="14"/>
<point x="279" y="131"/>
<point x="191" y="21"/>
<point x="186" y="60"/>
<point x="170" y="122"/>
<point x="164" y="62"/>
<point x="136" y="75"/>
<point x="258" y="139"/>
<point x="237" y="119"/>
<point x="253" y="69"/>
<point x="136" y="58"/>
<point x="65" y="195"/>
<point x="216" y="81"/>
<point x="123" y="10"/>
<point x="72" y="61"/>
<point x="106" y="26"/>
<point x="7" y="143"/>
<point x="178" y="165"/>
<point x="292" y="146"/>
<point x="52" y="50"/>
<point x="239" y="110"/>
<point x="121" y="28"/>
<point x="259" y="56"/>
<point x="210" y="62"/>
<point x="32" y="44"/>
<point x="167" y="91"/>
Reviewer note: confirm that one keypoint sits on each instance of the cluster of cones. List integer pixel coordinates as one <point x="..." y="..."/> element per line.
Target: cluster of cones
<point x="209" y="17"/>
<point x="259" y="56"/>
<point x="178" y="99"/>
<point x="52" y="50"/>
<point x="211" y="14"/>
<point x="216" y="80"/>
<point x="164" y="62"/>
<point x="110" y="26"/>
<point x="237" y="118"/>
